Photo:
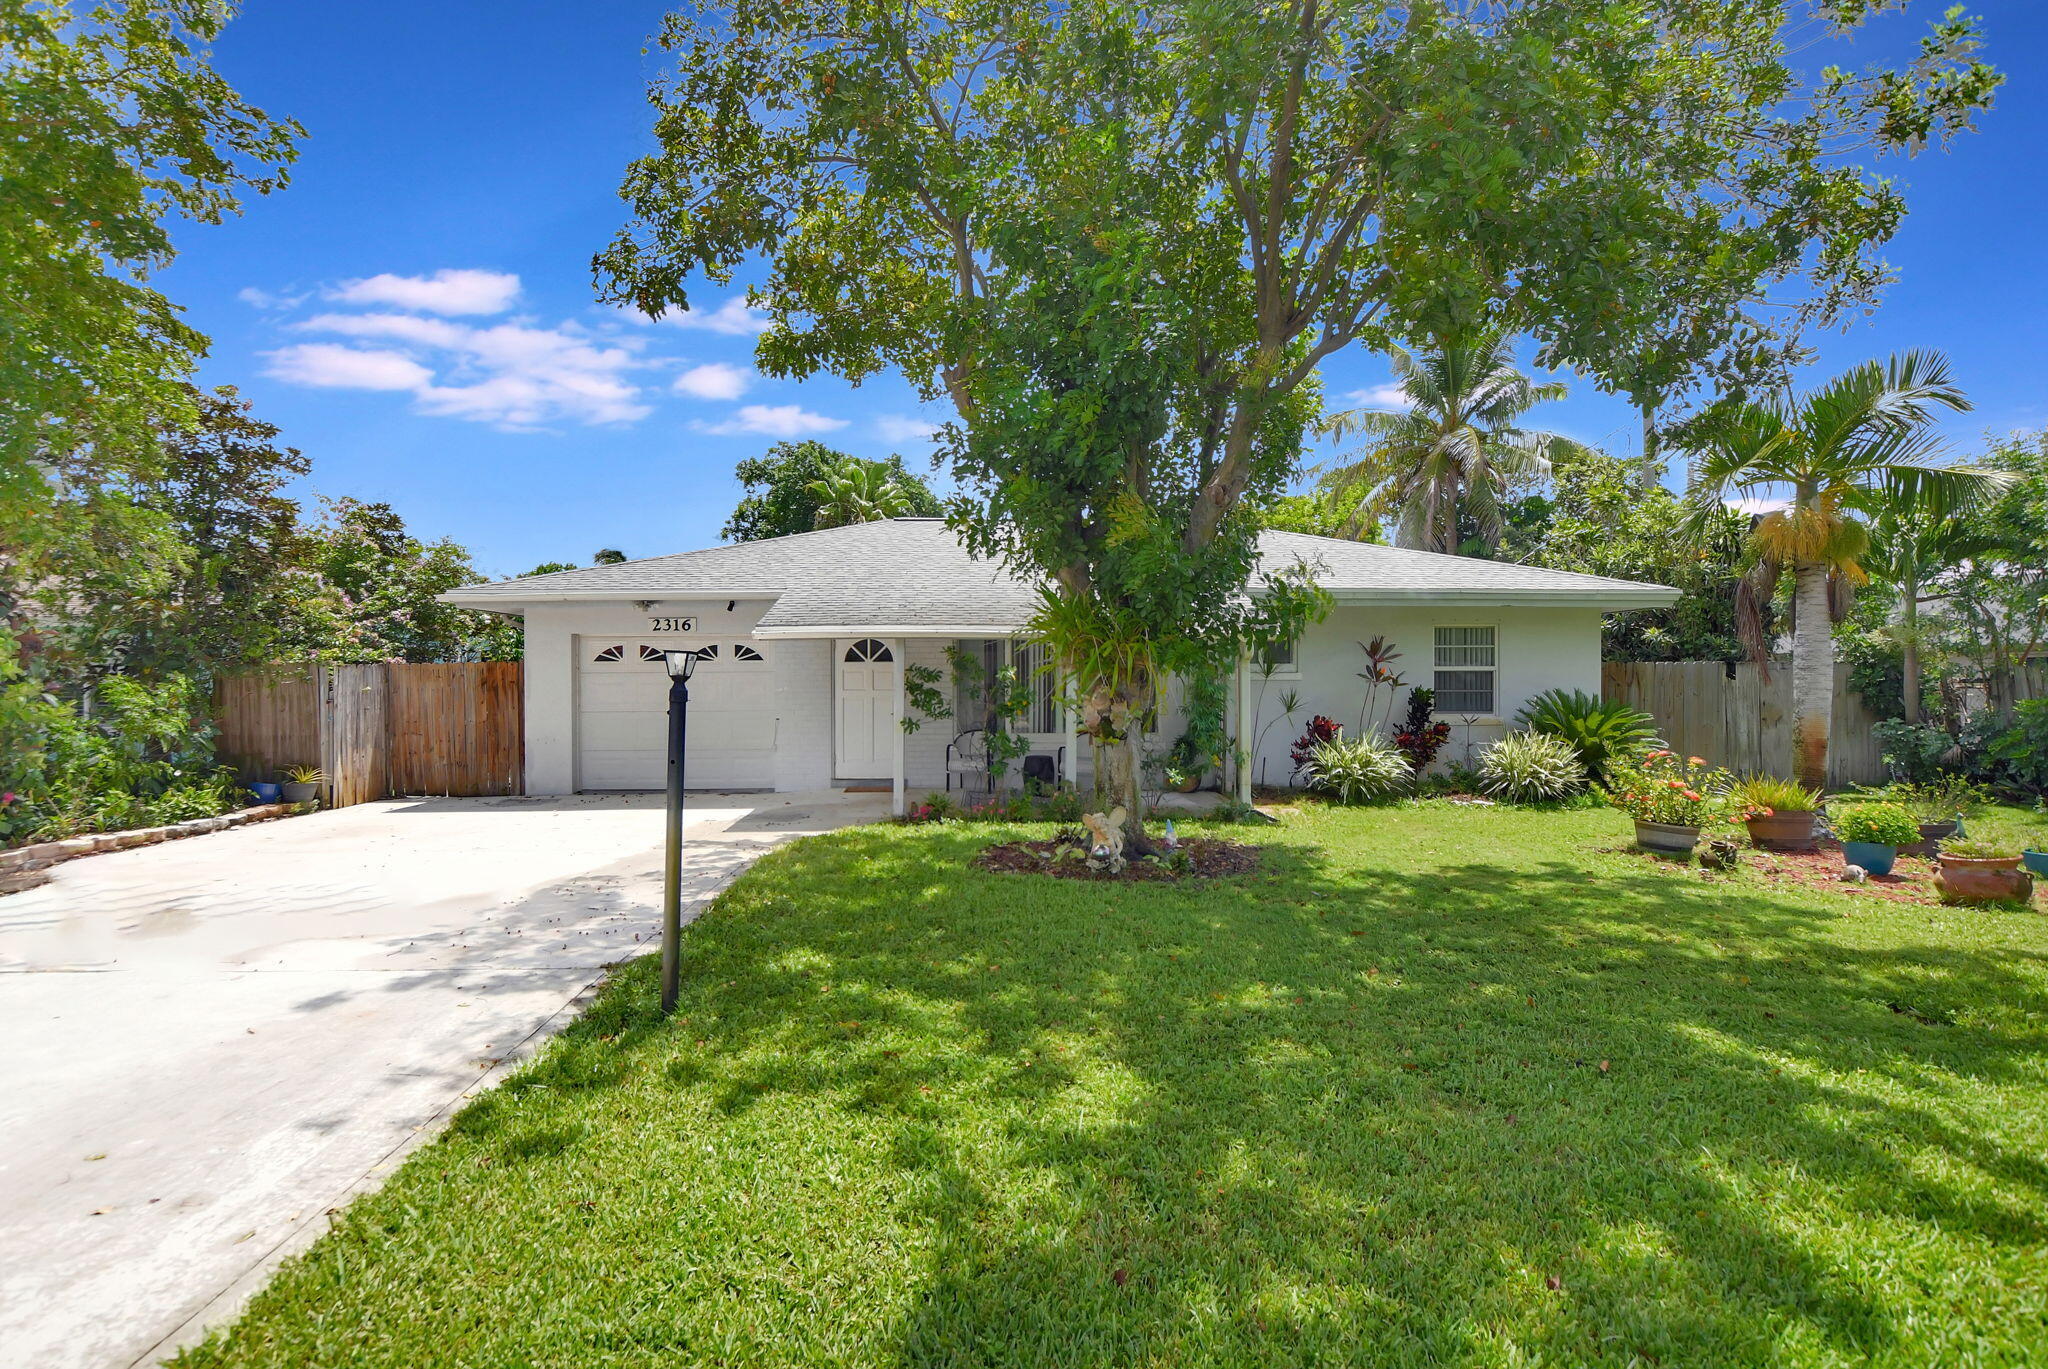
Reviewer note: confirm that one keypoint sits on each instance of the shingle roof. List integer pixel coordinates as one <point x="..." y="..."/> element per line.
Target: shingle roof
<point x="912" y="573"/>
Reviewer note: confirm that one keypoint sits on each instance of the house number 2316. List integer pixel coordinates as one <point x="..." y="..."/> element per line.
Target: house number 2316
<point x="671" y="624"/>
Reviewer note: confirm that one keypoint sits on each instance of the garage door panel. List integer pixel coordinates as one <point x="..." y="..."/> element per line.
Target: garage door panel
<point x="622" y="716"/>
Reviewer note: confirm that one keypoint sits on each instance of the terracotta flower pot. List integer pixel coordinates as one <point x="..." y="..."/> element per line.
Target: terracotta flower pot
<point x="1965" y="879"/>
<point x="1665" y="838"/>
<point x="1932" y="834"/>
<point x="1783" y="831"/>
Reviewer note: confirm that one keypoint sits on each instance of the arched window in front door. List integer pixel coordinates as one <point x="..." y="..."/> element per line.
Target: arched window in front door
<point x="869" y="649"/>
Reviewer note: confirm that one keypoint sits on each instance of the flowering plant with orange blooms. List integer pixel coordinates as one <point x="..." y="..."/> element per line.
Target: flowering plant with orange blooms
<point x="1681" y="791"/>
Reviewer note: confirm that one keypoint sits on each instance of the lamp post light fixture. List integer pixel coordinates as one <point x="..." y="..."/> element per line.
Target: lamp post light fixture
<point x="680" y="664"/>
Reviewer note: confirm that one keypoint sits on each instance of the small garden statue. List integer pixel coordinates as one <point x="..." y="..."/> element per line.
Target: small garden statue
<point x="1720" y="854"/>
<point x="1106" y="839"/>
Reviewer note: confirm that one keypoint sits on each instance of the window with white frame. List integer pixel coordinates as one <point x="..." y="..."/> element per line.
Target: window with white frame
<point x="1026" y="659"/>
<point x="1279" y="658"/>
<point x="1466" y="664"/>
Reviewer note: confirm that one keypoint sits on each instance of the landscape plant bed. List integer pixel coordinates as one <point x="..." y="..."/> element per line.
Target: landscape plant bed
<point x="1207" y="858"/>
<point x="1911" y="880"/>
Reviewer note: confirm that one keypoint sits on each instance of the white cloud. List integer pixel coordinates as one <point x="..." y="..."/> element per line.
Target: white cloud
<point x="425" y="332"/>
<point x="1388" y="396"/>
<point x="714" y="380"/>
<point x="734" y="318"/>
<point x="1756" y="503"/>
<point x="333" y="366"/>
<point x="904" y="428"/>
<point x="512" y="374"/>
<point x="773" y="420"/>
<point x="267" y="299"/>
<point x="444" y="292"/>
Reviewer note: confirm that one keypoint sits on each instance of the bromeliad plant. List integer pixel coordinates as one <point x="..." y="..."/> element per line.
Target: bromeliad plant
<point x="1358" y="770"/>
<point x="1531" y="767"/>
<point x="1665" y="788"/>
<point x="1765" y="796"/>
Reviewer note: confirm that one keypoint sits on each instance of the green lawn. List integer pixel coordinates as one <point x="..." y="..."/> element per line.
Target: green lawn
<point x="1437" y="1086"/>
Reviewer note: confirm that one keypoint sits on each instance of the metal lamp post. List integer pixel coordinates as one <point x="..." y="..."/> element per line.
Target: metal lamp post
<point x="680" y="664"/>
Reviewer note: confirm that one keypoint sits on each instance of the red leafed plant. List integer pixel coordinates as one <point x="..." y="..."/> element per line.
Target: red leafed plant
<point x="1321" y="731"/>
<point x="1420" y="738"/>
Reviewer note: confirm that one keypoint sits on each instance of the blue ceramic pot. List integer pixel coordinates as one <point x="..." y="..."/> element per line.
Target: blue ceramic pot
<point x="1872" y="857"/>
<point x="265" y="791"/>
<point x="2037" y="861"/>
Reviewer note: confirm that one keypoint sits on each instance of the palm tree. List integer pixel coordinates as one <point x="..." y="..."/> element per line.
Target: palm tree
<point x="856" y="491"/>
<point x="1451" y="454"/>
<point x="1828" y="456"/>
<point x="1912" y="539"/>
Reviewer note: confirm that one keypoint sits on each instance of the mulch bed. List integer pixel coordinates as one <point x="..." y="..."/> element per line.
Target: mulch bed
<point x="1207" y="859"/>
<point x="1911" y="880"/>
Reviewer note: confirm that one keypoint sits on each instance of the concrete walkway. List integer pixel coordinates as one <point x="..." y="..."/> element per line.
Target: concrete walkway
<point x="211" y="1044"/>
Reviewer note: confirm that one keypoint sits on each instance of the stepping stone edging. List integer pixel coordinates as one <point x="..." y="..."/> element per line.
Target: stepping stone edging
<point x="25" y="867"/>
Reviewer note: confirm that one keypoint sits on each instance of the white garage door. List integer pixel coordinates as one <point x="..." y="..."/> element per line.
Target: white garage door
<point x="622" y="714"/>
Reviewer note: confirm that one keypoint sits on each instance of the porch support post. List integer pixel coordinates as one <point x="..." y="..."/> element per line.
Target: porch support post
<point x="1070" y="766"/>
<point x="897" y="803"/>
<point x="1244" y="758"/>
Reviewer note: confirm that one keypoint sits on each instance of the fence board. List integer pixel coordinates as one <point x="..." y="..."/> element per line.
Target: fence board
<point x="457" y="729"/>
<point x="1741" y="722"/>
<point x="266" y="719"/>
<point x="381" y="729"/>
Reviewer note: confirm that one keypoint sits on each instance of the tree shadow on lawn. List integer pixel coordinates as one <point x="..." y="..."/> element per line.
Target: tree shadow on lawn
<point x="1356" y="1114"/>
<point x="1374" y="1115"/>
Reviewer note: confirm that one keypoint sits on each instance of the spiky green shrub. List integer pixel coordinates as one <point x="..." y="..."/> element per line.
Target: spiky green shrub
<point x="1600" y="731"/>
<point x="1356" y="770"/>
<point x="1531" y="767"/>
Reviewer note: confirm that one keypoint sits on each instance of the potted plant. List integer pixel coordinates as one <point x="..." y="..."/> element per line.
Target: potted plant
<point x="2035" y="861"/>
<point x="1938" y="805"/>
<point x="302" y="783"/>
<point x="264" y="791"/>
<point x="1979" y="870"/>
<point x="1669" y="798"/>
<point x="1872" y="833"/>
<point x="1778" y="813"/>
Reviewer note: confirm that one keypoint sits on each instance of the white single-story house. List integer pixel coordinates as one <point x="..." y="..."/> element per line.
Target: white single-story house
<point x="811" y="634"/>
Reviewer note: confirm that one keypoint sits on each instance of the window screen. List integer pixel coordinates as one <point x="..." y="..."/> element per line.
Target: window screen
<point x="1465" y="668"/>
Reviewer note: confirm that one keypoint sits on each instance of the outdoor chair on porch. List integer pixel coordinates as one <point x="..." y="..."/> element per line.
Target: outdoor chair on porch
<point x="967" y="757"/>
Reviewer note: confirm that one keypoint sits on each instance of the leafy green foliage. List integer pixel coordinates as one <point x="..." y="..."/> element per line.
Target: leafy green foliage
<point x="1600" y="732"/>
<point x="1880" y="824"/>
<point x="1663" y="787"/>
<point x="2022" y="750"/>
<point x="143" y="758"/>
<point x="1357" y="769"/>
<point x="783" y="495"/>
<point x="1913" y="751"/>
<point x="114" y="125"/>
<point x="1205" y="741"/>
<point x="1531" y="767"/>
<point x="1600" y="518"/>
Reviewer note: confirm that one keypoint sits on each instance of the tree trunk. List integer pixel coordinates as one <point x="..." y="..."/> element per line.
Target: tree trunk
<point x="1909" y="649"/>
<point x="1113" y="719"/>
<point x="1813" y="674"/>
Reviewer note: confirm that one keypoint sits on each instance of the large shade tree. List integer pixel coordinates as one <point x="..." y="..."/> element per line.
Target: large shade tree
<point x="1827" y="460"/>
<point x="1234" y="191"/>
<point x="1448" y="460"/>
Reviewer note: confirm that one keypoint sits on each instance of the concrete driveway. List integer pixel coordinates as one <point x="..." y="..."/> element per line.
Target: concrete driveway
<point x="212" y="1043"/>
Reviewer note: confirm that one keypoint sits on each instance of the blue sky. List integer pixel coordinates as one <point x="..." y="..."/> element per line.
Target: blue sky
<point x="416" y="310"/>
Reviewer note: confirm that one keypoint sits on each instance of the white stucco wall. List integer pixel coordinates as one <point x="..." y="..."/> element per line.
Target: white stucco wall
<point x="1537" y="649"/>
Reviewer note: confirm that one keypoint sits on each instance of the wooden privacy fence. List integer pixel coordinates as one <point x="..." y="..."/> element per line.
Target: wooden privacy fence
<point x="380" y="730"/>
<point x="1740" y="722"/>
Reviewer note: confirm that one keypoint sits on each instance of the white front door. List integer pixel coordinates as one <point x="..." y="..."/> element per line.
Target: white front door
<point x="866" y="687"/>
